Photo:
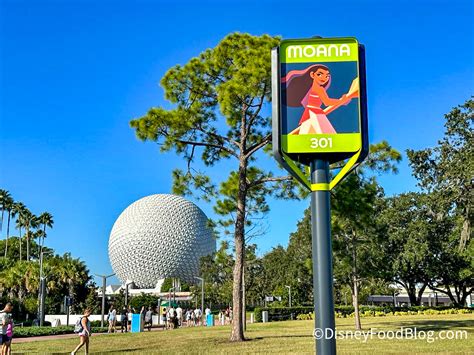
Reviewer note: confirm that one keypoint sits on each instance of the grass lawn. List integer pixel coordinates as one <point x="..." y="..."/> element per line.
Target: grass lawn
<point x="276" y="337"/>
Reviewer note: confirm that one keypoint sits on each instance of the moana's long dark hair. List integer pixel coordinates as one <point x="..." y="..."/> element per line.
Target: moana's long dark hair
<point x="298" y="84"/>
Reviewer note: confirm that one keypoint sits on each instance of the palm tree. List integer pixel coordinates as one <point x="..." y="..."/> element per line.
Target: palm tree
<point x="20" y="209"/>
<point x="8" y="206"/>
<point x="4" y="197"/>
<point x="46" y="219"/>
<point x="30" y="222"/>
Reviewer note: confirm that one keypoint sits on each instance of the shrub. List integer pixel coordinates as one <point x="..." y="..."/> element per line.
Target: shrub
<point x="281" y="313"/>
<point x="24" y="332"/>
<point x="300" y="313"/>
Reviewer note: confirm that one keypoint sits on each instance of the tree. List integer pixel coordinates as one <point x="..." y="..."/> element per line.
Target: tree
<point x="216" y="270"/>
<point x="20" y="209"/>
<point x="451" y="268"/>
<point x="5" y="197"/>
<point x="166" y="285"/>
<point x="7" y="204"/>
<point x="31" y="222"/>
<point x="220" y="99"/>
<point x="446" y="170"/>
<point x="353" y="209"/>
<point x="407" y="232"/>
<point x="46" y="219"/>
<point x="301" y="261"/>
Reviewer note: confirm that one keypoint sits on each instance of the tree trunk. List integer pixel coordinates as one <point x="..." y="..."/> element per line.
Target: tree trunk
<point x="237" y="333"/>
<point x="28" y="242"/>
<point x="355" y="286"/>
<point x="8" y="234"/>
<point x="411" y="290"/>
<point x="419" y="298"/>
<point x="20" y="242"/>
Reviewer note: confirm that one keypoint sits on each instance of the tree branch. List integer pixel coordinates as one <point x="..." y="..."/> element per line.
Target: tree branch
<point x="203" y="144"/>
<point x="220" y="138"/>
<point x="270" y="179"/>
<point x="258" y="145"/>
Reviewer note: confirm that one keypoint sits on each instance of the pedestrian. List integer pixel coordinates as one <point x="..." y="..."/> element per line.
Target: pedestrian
<point x="6" y="329"/>
<point x="164" y="317"/>
<point x="227" y="315"/>
<point x="124" y="320"/>
<point x="222" y="317"/>
<point x="129" y="318"/>
<point x="188" y="317"/>
<point x="112" y="318"/>
<point x="149" y="318"/>
<point x="172" y="316"/>
<point x="83" y="329"/>
<point x="197" y="316"/>
<point x="179" y="315"/>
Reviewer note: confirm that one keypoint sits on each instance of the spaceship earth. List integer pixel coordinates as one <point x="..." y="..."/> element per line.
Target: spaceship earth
<point x="157" y="237"/>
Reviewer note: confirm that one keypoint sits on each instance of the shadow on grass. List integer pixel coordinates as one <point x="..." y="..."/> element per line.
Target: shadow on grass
<point x="278" y="337"/>
<point x="438" y="325"/>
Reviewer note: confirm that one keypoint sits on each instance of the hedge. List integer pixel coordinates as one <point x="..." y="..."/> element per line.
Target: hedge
<point x="286" y="313"/>
<point x="281" y="313"/>
<point x="24" y="332"/>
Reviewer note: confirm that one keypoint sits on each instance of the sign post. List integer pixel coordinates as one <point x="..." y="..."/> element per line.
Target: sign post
<point x="319" y="117"/>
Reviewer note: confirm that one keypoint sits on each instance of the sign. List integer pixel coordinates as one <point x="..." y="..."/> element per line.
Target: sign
<point x="319" y="102"/>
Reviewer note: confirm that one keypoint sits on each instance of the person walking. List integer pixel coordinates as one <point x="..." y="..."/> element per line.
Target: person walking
<point x="197" y="316"/>
<point x="179" y="315"/>
<point x="112" y="318"/>
<point x="164" y="317"/>
<point x="83" y="329"/>
<point x="6" y="329"/>
<point x="207" y="312"/>
<point x="149" y="318"/>
<point x="129" y="318"/>
<point x="172" y="317"/>
<point x="123" y="320"/>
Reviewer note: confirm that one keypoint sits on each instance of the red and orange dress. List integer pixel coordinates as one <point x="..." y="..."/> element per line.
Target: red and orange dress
<point x="314" y="120"/>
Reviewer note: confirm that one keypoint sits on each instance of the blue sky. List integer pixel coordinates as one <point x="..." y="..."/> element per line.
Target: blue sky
<point x="73" y="74"/>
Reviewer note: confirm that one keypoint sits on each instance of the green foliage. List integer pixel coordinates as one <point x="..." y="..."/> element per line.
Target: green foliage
<point x="446" y="170"/>
<point x="307" y="313"/>
<point x="143" y="300"/>
<point x="19" y="281"/>
<point x="217" y="273"/>
<point x="167" y="285"/>
<point x="219" y="100"/>
<point x="281" y="313"/>
<point x="25" y="332"/>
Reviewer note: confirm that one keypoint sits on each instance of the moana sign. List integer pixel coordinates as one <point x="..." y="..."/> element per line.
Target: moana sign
<point x="319" y="108"/>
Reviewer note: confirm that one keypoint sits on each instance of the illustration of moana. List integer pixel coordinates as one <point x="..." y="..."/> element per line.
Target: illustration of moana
<point x="308" y="88"/>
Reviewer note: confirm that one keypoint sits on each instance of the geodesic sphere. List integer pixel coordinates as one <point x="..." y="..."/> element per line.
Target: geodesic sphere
<point x="157" y="237"/>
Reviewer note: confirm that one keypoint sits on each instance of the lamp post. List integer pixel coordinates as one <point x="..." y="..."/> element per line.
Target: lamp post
<point x="289" y="294"/>
<point x="202" y="295"/>
<point x="42" y="288"/>
<point x="104" y="285"/>
<point x="127" y="283"/>
<point x="169" y="297"/>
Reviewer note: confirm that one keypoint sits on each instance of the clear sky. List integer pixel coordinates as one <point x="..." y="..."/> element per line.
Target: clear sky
<point x="73" y="73"/>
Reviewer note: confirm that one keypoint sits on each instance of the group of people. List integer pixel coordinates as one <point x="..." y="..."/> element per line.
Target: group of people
<point x="226" y="316"/>
<point x="177" y="317"/>
<point x="6" y="329"/>
<point x="170" y="316"/>
<point x="125" y="320"/>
